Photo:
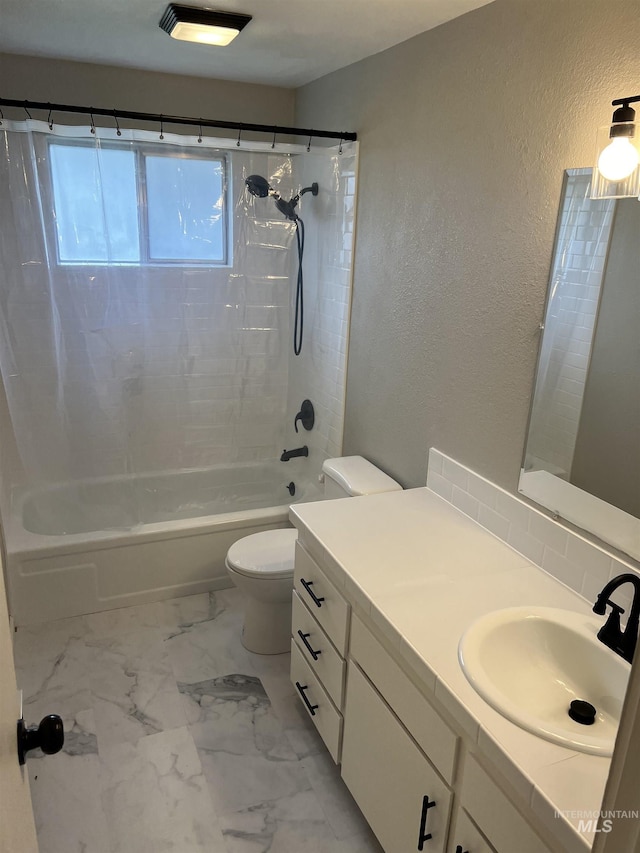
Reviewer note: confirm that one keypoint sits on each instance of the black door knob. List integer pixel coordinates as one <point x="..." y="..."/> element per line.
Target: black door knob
<point x="49" y="736"/>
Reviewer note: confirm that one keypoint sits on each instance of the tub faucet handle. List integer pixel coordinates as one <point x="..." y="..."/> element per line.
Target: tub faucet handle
<point x="306" y="416"/>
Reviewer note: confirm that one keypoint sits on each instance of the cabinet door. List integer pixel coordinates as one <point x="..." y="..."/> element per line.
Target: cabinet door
<point x="466" y="837"/>
<point x="400" y="794"/>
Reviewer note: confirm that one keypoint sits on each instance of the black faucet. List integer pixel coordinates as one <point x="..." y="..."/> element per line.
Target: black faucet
<point x="611" y="633"/>
<point x="290" y="454"/>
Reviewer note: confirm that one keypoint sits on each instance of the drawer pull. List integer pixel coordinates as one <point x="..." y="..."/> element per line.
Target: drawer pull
<point x="307" y="585"/>
<point x="314" y="654"/>
<point x="424" y="836"/>
<point x="301" y="689"/>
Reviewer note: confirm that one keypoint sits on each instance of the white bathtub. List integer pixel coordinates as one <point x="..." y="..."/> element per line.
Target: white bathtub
<point x="112" y="542"/>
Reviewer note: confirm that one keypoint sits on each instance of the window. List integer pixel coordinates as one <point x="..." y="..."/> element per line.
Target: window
<point x="135" y="204"/>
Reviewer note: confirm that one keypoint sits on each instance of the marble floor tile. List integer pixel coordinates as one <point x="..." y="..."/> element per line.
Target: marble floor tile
<point x="169" y="724"/>
<point x="210" y="647"/>
<point x="342" y="814"/>
<point x="134" y="690"/>
<point x="155" y="797"/>
<point x="245" y="754"/>
<point x="294" y="824"/>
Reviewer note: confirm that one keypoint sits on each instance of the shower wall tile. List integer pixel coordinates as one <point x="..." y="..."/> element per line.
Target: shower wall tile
<point x="319" y="372"/>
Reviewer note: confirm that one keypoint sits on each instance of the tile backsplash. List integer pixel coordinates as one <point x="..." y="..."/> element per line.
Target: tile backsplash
<point x="579" y="563"/>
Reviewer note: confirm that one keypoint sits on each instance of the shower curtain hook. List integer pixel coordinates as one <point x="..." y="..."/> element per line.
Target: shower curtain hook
<point x="26" y="110"/>
<point x="239" y="135"/>
<point x="200" y="134"/>
<point x="161" y="128"/>
<point x="273" y="144"/>
<point x="1" y="116"/>
<point x="49" y="122"/>
<point x="93" y="124"/>
<point x="340" y="146"/>
<point x="115" y="118"/>
<point x="309" y="143"/>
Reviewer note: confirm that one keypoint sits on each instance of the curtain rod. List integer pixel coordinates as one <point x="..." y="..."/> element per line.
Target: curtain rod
<point x="198" y="122"/>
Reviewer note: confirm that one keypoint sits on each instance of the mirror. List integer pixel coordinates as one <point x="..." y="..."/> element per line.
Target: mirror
<point x="582" y="457"/>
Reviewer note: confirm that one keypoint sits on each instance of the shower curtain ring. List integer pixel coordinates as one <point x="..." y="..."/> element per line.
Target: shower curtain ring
<point x="1" y="116"/>
<point x="161" y="128"/>
<point x="239" y="135"/>
<point x="273" y="144"/>
<point x="49" y="122"/>
<point x="26" y="110"/>
<point x="340" y="146"/>
<point x="93" y="124"/>
<point x="309" y="143"/>
<point x="115" y="118"/>
<point x="200" y="134"/>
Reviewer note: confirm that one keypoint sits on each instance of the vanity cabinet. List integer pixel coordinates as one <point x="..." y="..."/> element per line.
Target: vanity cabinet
<point x="412" y="772"/>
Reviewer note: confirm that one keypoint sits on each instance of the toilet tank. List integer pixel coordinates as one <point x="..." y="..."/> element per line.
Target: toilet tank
<point x="349" y="476"/>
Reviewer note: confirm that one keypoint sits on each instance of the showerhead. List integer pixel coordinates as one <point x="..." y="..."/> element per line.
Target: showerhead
<point x="258" y="186"/>
<point x="261" y="188"/>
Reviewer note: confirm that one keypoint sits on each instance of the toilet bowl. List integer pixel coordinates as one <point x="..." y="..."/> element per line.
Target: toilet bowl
<point x="261" y="565"/>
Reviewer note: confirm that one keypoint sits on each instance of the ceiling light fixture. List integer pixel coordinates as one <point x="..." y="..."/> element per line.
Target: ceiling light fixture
<point x="204" y="26"/>
<point x="617" y="170"/>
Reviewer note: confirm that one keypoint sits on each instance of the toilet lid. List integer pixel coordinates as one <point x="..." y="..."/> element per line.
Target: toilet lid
<point x="268" y="554"/>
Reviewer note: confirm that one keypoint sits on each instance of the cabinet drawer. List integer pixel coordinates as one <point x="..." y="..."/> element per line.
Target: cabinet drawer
<point x="495" y="815"/>
<point x="323" y="599"/>
<point x="329" y="666"/>
<point x="424" y="724"/>
<point x="402" y="797"/>
<point x="465" y="837"/>
<point x="326" y="718"/>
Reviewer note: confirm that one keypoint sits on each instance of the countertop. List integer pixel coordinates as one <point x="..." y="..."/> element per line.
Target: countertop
<point x="422" y="572"/>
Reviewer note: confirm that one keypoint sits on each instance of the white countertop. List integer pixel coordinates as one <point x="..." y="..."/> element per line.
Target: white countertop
<point x="423" y="572"/>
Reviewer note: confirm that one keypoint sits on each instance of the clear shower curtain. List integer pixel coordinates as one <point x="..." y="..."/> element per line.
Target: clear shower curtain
<point x="147" y="339"/>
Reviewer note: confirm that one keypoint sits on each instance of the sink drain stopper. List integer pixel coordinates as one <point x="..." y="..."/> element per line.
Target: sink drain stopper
<point x="582" y="712"/>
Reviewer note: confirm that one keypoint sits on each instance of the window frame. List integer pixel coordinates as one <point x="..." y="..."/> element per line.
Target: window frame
<point x="141" y="150"/>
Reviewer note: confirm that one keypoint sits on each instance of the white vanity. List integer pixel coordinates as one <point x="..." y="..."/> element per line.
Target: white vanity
<point x="385" y="586"/>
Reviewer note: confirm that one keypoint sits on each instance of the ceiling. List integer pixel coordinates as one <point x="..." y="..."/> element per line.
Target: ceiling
<point x="288" y="43"/>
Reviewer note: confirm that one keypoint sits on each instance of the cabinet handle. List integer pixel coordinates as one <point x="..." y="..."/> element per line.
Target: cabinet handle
<point x="314" y="654"/>
<point x="307" y="585"/>
<point x="301" y="689"/>
<point x="424" y="836"/>
<point x="460" y="850"/>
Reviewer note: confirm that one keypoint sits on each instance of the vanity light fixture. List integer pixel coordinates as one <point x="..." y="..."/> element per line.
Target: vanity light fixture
<point x="190" y="23"/>
<point x="617" y="170"/>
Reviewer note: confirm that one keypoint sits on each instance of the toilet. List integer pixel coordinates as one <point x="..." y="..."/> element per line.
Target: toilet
<point x="261" y="565"/>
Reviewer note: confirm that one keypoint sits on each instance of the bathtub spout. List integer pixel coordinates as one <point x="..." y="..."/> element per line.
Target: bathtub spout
<point x="290" y="454"/>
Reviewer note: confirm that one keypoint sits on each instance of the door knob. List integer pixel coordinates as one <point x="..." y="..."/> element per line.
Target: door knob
<point x="49" y="736"/>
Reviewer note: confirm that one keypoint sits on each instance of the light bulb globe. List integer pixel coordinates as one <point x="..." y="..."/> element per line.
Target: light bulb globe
<point x="618" y="160"/>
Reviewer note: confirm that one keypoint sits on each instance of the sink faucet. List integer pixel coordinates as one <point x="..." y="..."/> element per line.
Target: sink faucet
<point x="611" y="633"/>
<point x="290" y="454"/>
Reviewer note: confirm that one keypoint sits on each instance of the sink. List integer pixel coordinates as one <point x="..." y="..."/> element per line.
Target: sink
<point x="530" y="663"/>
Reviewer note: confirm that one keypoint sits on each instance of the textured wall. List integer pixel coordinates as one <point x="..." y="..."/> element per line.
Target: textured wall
<point x="464" y="133"/>
<point x="104" y="86"/>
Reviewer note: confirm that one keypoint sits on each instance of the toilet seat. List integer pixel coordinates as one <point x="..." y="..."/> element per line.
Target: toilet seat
<point x="265" y="555"/>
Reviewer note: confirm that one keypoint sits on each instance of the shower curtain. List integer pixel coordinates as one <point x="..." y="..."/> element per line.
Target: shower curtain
<point x="145" y="302"/>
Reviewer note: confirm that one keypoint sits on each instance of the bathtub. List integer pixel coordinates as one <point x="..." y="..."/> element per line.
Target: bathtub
<point x="116" y="541"/>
